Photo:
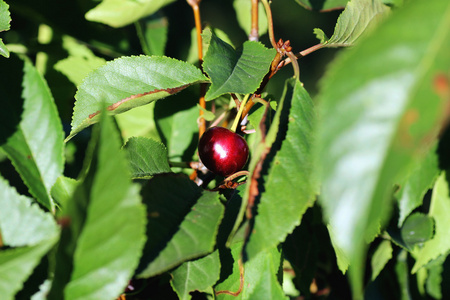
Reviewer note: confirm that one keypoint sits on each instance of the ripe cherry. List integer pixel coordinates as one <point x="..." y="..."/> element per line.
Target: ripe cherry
<point x="222" y="151"/>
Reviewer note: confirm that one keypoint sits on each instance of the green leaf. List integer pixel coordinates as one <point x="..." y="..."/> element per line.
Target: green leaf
<point x="421" y="179"/>
<point x="243" y="9"/>
<point x="197" y="275"/>
<point x="291" y="185"/>
<point x="119" y="13"/>
<point x="176" y="121"/>
<point x="22" y="222"/>
<point x="147" y="157"/>
<point x="381" y="257"/>
<point x="80" y="62"/>
<point x="106" y="228"/>
<point x="183" y="223"/>
<point x="417" y="229"/>
<point x="402" y="272"/>
<point x="358" y="18"/>
<point x="63" y="189"/>
<point x="138" y="122"/>
<point x="234" y="71"/>
<point x="152" y="33"/>
<point x="435" y="280"/>
<point x="36" y="147"/>
<point x="130" y="82"/>
<point x="260" y="276"/>
<point x="17" y="264"/>
<point x="378" y="111"/>
<point x="5" y="20"/>
<point x="322" y="5"/>
<point x="439" y="210"/>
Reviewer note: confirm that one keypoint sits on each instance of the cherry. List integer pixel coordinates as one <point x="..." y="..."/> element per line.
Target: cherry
<point x="222" y="151"/>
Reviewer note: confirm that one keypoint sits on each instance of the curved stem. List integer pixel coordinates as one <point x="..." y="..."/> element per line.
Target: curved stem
<point x="239" y="114"/>
<point x="294" y="64"/>
<point x="270" y="23"/>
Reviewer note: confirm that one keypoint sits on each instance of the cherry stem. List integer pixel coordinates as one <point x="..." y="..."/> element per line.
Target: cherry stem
<point x="239" y="114"/>
<point x="270" y="23"/>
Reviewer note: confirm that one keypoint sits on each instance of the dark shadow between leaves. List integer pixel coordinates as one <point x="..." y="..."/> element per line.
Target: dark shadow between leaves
<point x="11" y="100"/>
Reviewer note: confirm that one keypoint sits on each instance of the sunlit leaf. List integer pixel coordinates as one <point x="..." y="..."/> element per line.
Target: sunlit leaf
<point x="16" y="264"/>
<point x="356" y="20"/>
<point x="379" y="113"/>
<point x="22" y="222"/>
<point x="80" y="62"/>
<point x="130" y="82"/>
<point x="439" y="210"/>
<point x="105" y="228"/>
<point x="36" y="148"/>
<point x="5" y="19"/>
<point x="234" y="71"/>
<point x="380" y="258"/>
<point x="118" y="13"/>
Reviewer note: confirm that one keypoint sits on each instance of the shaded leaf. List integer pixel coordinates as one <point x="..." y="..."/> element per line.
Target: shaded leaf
<point x="197" y="275"/>
<point x="36" y="148"/>
<point x="80" y="62"/>
<point x="183" y="223"/>
<point x="422" y="178"/>
<point x="355" y="21"/>
<point x="152" y="33"/>
<point x="17" y="264"/>
<point x="118" y="13"/>
<point x="234" y="71"/>
<point x="176" y="122"/>
<point x="22" y="222"/>
<point x="376" y="124"/>
<point x="435" y="280"/>
<point x="5" y="20"/>
<point x="439" y="210"/>
<point x="322" y="4"/>
<point x="417" y="229"/>
<point x="243" y="9"/>
<point x="402" y="272"/>
<point x="147" y="157"/>
<point x="130" y="82"/>
<point x="381" y="257"/>
<point x="291" y="184"/>
<point x="106" y="226"/>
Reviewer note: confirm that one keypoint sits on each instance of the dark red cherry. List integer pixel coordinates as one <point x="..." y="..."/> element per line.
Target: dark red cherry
<point x="222" y="151"/>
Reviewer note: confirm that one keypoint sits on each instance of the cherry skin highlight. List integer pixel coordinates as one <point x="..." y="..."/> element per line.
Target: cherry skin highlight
<point x="222" y="151"/>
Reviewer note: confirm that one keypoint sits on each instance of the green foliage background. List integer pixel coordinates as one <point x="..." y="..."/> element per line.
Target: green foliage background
<point x="349" y="161"/>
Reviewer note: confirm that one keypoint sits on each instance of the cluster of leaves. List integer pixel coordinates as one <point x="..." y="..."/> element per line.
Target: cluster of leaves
<point x="352" y="180"/>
